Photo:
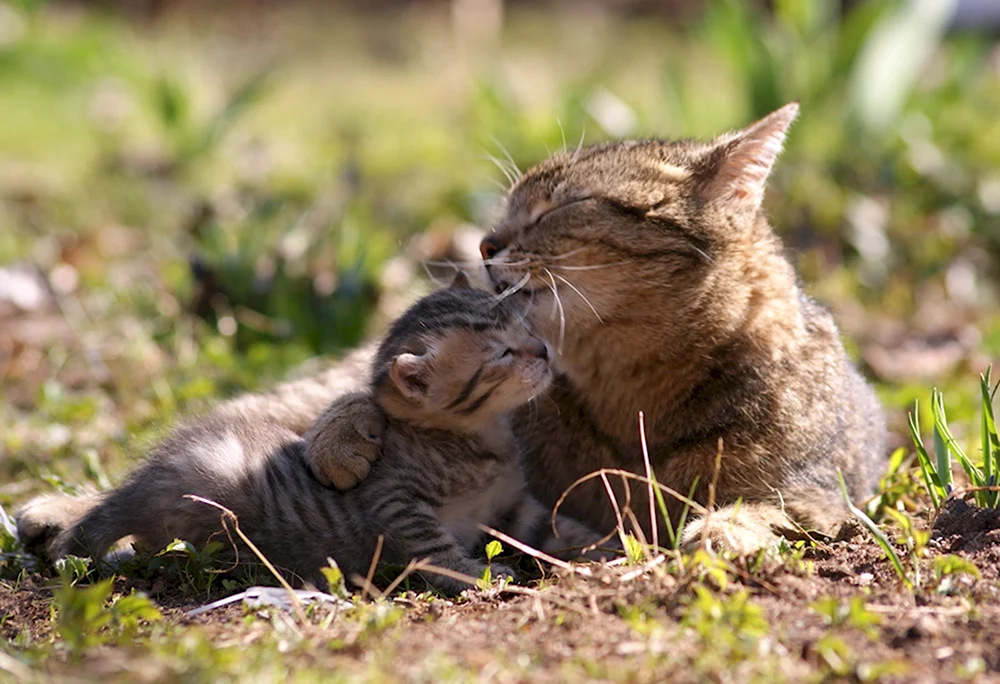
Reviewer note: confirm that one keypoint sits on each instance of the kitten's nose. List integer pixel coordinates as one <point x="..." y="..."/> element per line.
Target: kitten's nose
<point x="490" y="245"/>
<point x="533" y="348"/>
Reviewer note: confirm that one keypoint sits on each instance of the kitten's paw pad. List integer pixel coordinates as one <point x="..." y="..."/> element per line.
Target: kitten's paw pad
<point x="345" y="441"/>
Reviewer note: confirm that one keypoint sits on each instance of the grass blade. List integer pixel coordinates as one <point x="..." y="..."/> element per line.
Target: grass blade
<point x="876" y="532"/>
<point x="944" y="439"/>
<point x="990" y="440"/>
<point x="941" y="453"/>
<point x="931" y="480"/>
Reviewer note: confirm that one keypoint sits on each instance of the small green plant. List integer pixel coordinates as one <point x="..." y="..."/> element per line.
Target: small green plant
<point x="937" y="472"/>
<point x="198" y="568"/>
<point x="728" y="622"/>
<point x="89" y="616"/>
<point x="493" y="549"/>
<point x="635" y="552"/>
<point x="334" y="577"/>
<point x="853" y="614"/>
<point x="912" y="538"/>
<point x="948" y="569"/>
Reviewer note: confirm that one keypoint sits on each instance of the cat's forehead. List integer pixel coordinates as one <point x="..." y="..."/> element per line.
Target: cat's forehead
<point x="635" y="172"/>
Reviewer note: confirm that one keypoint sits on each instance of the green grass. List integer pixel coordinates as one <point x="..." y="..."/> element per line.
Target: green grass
<point x="937" y="472"/>
<point x="220" y="200"/>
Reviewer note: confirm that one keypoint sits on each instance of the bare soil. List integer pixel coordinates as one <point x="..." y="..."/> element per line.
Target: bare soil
<point x="615" y="627"/>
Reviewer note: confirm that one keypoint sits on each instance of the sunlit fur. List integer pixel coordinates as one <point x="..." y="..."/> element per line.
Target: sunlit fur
<point x="448" y="461"/>
<point x="656" y="277"/>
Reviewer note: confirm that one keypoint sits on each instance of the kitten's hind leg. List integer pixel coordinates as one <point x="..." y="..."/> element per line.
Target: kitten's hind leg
<point x="96" y="531"/>
<point x="43" y="518"/>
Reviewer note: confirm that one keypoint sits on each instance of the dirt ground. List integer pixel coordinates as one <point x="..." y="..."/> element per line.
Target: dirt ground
<point x="682" y="623"/>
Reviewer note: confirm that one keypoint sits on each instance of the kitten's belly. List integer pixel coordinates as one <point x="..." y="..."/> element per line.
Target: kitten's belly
<point x="462" y="515"/>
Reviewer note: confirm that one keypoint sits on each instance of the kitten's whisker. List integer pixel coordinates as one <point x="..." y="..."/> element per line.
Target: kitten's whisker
<point x="553" y="402"/>
<point x="583" y="297"/>
<point x="562" y="312"/>
<point x="434" y="279"/>
<point x="512" y="289"/>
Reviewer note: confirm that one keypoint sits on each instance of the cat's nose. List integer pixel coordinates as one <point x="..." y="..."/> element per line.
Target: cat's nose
<point x="533" y="348"/>
<point x="491" y="245"/>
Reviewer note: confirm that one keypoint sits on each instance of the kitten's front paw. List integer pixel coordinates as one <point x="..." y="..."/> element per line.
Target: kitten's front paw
<point x="344" y="442"/>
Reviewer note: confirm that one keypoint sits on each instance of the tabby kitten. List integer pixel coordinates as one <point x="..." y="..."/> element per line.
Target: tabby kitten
<point x="651" y="269"/>
<point x="443" y="380"/>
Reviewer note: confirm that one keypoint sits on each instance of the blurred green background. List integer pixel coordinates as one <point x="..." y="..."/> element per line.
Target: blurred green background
<point x="196" y="198"/>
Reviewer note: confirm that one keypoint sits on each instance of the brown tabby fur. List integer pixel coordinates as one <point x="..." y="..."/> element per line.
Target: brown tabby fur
<point x="652" y="270"/>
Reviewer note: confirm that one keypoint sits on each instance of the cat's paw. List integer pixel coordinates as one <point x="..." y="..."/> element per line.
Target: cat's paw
<point x="343" y="442"/>
<point x="741" y="530"/>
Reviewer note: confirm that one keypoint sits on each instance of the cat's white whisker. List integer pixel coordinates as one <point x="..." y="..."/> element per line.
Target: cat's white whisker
<point x="531" y="302"/>
<point x="579" y="146"/>
<point x="595" y="266"/>
<point x="562" y="132"/>
<point x="512" y="289"/>
<point x="505" y="170"/>
<point x="572" y="252"/>
<point x="583" y="297"/>
<point x="507" y="154"/>
<point x="562" y="312"/>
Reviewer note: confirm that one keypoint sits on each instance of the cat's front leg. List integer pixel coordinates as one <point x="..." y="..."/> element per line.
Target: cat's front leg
<point x="742" y="529"/>
<point x="345" y="440"/>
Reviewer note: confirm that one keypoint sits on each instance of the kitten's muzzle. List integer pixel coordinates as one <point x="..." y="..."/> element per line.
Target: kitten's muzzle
<point x="532" y="348"/>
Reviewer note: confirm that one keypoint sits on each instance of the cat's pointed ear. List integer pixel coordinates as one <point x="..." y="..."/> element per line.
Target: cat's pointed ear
<point x="409" y="375"/>
<point x="745" y="158"/>
<point x="461" y="280"/>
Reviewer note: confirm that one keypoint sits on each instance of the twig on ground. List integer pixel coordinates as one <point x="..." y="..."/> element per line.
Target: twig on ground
<point x="227" y="513"/>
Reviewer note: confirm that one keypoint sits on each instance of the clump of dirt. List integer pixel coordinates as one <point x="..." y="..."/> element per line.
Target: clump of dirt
<point x="972" y="531"/>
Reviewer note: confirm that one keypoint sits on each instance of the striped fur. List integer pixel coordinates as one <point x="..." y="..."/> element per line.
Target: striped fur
<point x="448" y="460"/>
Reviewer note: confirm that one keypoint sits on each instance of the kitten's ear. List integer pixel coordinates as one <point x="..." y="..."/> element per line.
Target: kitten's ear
<point x="745" y="159"/>
<point x="461" y="280"/>
<point x="409" y="375"/>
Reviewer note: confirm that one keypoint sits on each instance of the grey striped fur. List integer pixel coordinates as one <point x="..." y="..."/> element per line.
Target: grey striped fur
<point x="448" y="461"/>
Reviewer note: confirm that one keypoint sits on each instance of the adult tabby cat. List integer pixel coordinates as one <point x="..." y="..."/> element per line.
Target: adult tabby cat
<point x="445" y="378"/>
<point x="653" y="272"/>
